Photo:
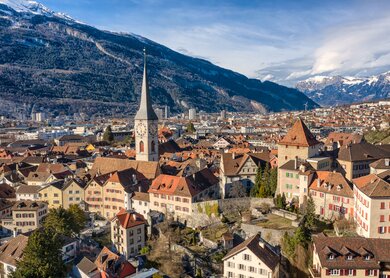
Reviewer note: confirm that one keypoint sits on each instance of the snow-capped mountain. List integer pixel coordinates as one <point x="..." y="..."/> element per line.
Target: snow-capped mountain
<point x="335" y="90"/>
<point x="57" y="64"/>
<point x="29" y="8"/>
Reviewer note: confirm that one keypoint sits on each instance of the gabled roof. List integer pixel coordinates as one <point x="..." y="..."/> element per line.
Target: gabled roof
<point x="331" y="183"/>
<point x="362" y="151"/>
<point x="374" y="185"/>
<point x="299" y="135"/>
<point x="129" y="219"/>
<point x="149" y="169"/>
<point x="343" y="138"/>
<point x="232" y="163"/>
<point x="183" y="186"/>
<point x="358" y="246"/>
<point x="263" y="253"/>
<point x="12" y="250"/>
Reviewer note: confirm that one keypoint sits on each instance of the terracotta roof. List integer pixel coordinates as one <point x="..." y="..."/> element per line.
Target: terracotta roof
<point x="332" y="183"/>
<point x="381" y="164"/>
<point x="87" y="266"/>
<point x="28" y="189"/>
<point x="299" y="135"/>
<point x="374" y="185"/>
<point x="339" y="247"/>
<point x="183" y="186"/>
<point x="343" y="138"/>
<point x="12" y="250"/>
<point x="130" y="219"/>
<point x="232" y="163"/>
<point x="7" y="191"/>
<point x="141" y="196"/>
<point x="51" y="168"/>
<point x="362" y="151"/>
<point x="28" y="205"/>
<point x="264" y="253"/>
<point x="107" y="262"/>
<point x="149" y="169"/>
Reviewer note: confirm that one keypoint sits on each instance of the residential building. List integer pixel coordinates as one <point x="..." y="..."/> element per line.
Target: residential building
<point x="128" y="232"/>
<point x="380" y="166"/>
<point x="372" y="205"/>
<point x="350" y="256"/>
<point x="28" y="192"/>
<point x="252" y="258"/>
<point x="111" y="264"/>
<point x="335" y="140"/>
<point x="354" y="160"/>
<point x="174" y="195"/>
<point x="73" y="192"/>
<point x="94" y="193"/>
<point x="333" y="195"/>
<point x="52" y="194"/>
<point x="141" y="203"/>
<point x="26" y="216"/>
<point x="240" y="169"/>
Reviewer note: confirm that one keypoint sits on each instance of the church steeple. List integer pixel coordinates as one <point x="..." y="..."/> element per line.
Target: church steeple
<point x="146" y="124"/>
<point x="145" y="111"/>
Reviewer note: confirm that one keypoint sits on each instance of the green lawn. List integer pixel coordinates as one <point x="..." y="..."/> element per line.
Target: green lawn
<point x="276" y="222"/>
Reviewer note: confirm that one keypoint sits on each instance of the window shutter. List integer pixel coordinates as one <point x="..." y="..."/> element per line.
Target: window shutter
<point x="367" y="272"/>
<point x="375" y="272"/>
<point x="327" y="272"/>
<point x="330" y="206"/>
<point x="354" y="272"/>
<point x="385" y="229"/>
<point x="379" y="230"/>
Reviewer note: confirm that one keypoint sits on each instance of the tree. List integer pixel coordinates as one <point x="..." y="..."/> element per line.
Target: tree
<point x="284" y="201"/>
<point x="266" y="181"/>
<point x="66" y="222"/>
<point x="256" y="187"/>
<point x="190" y="127"/>
<point x="273" y="183"/>
<point x="108" y="136"/>
<point x="310" y="214"/>
<point x="78" y="216"/>
<point x="42" y="256"/>
<point x="237" y="190"/>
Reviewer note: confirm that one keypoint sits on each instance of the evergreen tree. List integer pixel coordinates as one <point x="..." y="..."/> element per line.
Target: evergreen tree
<point x="283" y="201"/>
<point x="108" y="136"/>
<point x="310" y="214"/>
<point x="273" y="181"/>
<point x="42" y="257"/>
<point x="266" y="180"/>
<point x="256" y="187"/>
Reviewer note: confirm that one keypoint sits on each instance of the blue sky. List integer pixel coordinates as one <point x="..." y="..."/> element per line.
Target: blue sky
<point x="279" y="40"/>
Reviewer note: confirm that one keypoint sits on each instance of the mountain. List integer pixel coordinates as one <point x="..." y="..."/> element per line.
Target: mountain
<point x="335" y="90"/>
<point x="51" y="62"/>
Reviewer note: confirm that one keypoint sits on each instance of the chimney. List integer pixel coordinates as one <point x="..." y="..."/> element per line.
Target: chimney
<point x="139" y="188"/>
<point x="387" y="162"/>
<point x="15" y="232"/>
<point x="233" y="155"/>
<point x="296" y="163"/>
<point x="318" y="182"/>
<point x="134" y="177"/>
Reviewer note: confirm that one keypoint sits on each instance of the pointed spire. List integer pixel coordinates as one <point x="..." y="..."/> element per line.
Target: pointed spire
<point x="145" y="111"/>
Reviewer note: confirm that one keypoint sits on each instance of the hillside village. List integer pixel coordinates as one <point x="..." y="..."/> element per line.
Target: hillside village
<point x="292" y="194"/>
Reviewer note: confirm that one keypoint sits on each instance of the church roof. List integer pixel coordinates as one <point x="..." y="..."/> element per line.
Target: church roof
<point x="145" y="111"/>
<point x="299" y="135"/>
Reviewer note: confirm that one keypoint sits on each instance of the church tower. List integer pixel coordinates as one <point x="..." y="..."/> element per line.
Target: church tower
<point x="145" y="125"/>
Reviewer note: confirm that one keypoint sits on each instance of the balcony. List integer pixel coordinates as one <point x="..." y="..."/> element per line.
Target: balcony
<point x="314" y="272"/>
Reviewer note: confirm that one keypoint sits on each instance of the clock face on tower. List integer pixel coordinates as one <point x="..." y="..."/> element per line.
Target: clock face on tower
<point x="140" y="129"/>
<point x="152" y="129"/>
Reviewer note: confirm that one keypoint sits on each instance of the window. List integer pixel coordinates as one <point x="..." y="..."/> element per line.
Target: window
<point x="383" y="205"/>
<point x="141" y="147"/>
<point x="350" y="272"/>
<point x="367" y="257"/>
<point x="331" y="257"/>
<point x="241" y="267"/>
<point x="382" y="218"/>
<point x="230" y="264"/>
<point x="252" y="269"/>
<point x="334" y="272"/>
<point x="246" y="257"/>
<point x="230" y="274"/>
<point x="241" y="276"/>
<point x="371" y="272"/>
<point x="349" y="257"/>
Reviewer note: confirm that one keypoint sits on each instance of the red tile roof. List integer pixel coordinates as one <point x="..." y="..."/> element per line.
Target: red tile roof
<point x="299" y="135"/>
<point x="129" y="219"/>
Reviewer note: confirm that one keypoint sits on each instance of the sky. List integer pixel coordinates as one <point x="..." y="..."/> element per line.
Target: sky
<point x="279" y="40"/>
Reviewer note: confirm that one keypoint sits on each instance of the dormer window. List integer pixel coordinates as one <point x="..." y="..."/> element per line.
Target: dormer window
<point x="367" y="257"/>
<point x="349" y="257"/>
<point x="331" y="257"/>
